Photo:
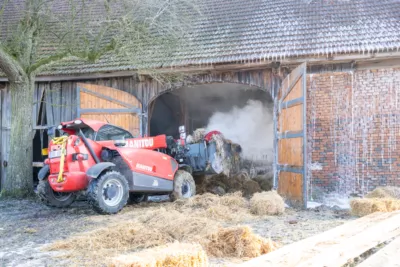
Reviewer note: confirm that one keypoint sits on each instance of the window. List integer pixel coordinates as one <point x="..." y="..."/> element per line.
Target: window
<point x="88" y="132"/>
<point x="110" y="132"/>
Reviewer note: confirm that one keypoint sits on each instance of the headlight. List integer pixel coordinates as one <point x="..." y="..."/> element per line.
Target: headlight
<point x="78" y="122"/>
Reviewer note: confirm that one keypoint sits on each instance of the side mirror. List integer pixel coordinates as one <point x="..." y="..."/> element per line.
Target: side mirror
<point x="120" y="143"/>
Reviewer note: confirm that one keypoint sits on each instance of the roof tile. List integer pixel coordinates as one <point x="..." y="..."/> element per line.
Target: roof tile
<point x="237" y="31"/>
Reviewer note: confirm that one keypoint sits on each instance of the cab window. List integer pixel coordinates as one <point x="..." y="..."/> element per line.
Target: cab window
<point x="88" y="132"/>
<point x="110" y="132"/>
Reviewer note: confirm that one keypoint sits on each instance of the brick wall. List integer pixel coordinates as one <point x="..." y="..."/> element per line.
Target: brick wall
<point x="353" y="122"/>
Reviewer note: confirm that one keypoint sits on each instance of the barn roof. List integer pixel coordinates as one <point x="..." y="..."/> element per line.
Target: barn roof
<point x="234" y="31"/>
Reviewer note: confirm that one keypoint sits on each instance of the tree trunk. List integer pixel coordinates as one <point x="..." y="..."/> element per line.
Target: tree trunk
<point x="19" y="180"/>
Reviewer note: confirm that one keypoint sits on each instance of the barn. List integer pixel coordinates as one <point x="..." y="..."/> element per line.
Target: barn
<point x="328" y="72"/>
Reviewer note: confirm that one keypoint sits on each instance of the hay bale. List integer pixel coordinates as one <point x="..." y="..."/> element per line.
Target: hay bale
<point x="384" y="192"/>
<point x="238" y="242"/>
<point x="221" y="153"/>
<point x="364" y="206"/>
<point x="170" y="255"/>
<point x="198" y="135"/>
<point x="267" y="203"/>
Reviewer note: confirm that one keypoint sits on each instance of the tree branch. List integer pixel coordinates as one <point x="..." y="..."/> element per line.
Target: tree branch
<point x="47" y="61"/>
<point x="10" y="66"/>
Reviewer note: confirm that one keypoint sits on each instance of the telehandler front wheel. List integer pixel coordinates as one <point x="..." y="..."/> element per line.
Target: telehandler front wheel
<point x="184" y="186"/>
<point x="109" y="193"/>
<point x="52" y="198"/>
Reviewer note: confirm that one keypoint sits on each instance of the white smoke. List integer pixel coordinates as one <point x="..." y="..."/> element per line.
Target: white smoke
<point x="250" y="126"/>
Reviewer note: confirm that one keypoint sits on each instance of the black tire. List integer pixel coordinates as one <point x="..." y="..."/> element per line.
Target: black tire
<point x="135" y="198"/>
<point x="184" y="186"/>
<point x="104" y="201"/>
<point x="52" y="198"/>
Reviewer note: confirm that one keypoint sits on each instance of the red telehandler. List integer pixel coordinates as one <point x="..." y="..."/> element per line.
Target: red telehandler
<point x="110" y="167"/>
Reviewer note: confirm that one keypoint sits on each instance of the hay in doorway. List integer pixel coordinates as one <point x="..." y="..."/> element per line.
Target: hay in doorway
<point x="170" y="255"/>
<point x="267" y="203"/>
<point x="265" y="181"/>
<point x="221" y="184"/>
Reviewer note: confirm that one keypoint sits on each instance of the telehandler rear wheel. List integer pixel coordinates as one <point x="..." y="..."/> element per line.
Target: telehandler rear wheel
<point x="184" y="186"/>
<point x="109" y="193"/>
<point x="52" y="198"/>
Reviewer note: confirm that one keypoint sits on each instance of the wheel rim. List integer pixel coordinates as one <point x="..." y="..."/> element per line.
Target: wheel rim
<point x="60" y="196"/>
<point x="112" y="192"/>
<point x="186" y="189"/>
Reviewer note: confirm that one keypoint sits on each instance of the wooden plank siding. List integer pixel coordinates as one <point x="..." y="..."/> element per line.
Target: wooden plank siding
<point x="62" y="106"/>
<point x="100" y="97"/>
<point x="5" y="124"/>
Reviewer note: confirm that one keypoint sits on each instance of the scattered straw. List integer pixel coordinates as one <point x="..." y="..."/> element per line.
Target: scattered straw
<point x="179" y="226"/>
<point x="364" y="206"/>
<point x="170" y="255"/>
<point x="198" y="219"/>
<point x="109" y="240"/>
<point x="154" y="228"/>
<point x="238" y="242"/>
<point x="267" y="203"/>
<point x="230" y="207"/>
<point x="385" y="192"/>
<point x="208" y="200"/>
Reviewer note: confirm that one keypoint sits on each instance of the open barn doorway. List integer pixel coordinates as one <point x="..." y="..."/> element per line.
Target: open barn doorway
<point x="242" y="113"/>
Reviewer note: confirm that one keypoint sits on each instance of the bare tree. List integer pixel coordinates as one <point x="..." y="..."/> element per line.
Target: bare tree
<point x="45" y="33"/>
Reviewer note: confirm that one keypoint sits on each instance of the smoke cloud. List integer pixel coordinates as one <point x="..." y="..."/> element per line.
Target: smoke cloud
<point x="250" y="126"/>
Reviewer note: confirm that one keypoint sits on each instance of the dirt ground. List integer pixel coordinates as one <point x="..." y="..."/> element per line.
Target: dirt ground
<point x="26" y="226"/>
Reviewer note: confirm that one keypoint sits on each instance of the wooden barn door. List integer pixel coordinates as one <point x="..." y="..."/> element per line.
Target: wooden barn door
<point x="290" y="138"/>
<point x="103" y="103"/>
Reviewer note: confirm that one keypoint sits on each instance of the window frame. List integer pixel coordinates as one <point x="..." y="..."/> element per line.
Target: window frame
<point x="123" y="131"/>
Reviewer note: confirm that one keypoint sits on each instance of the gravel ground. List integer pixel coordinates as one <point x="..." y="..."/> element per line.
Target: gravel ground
<point x="27" y="225"/>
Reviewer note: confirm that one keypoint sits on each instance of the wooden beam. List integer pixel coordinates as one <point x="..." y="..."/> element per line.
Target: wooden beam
<point x="221" y="67"/>
<point x="336" y="245"/>
<point x="378" y="64"/>
<point x="347" y="249"/>
<point x="388" y="256"/>
<point x="41" y="127"/>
